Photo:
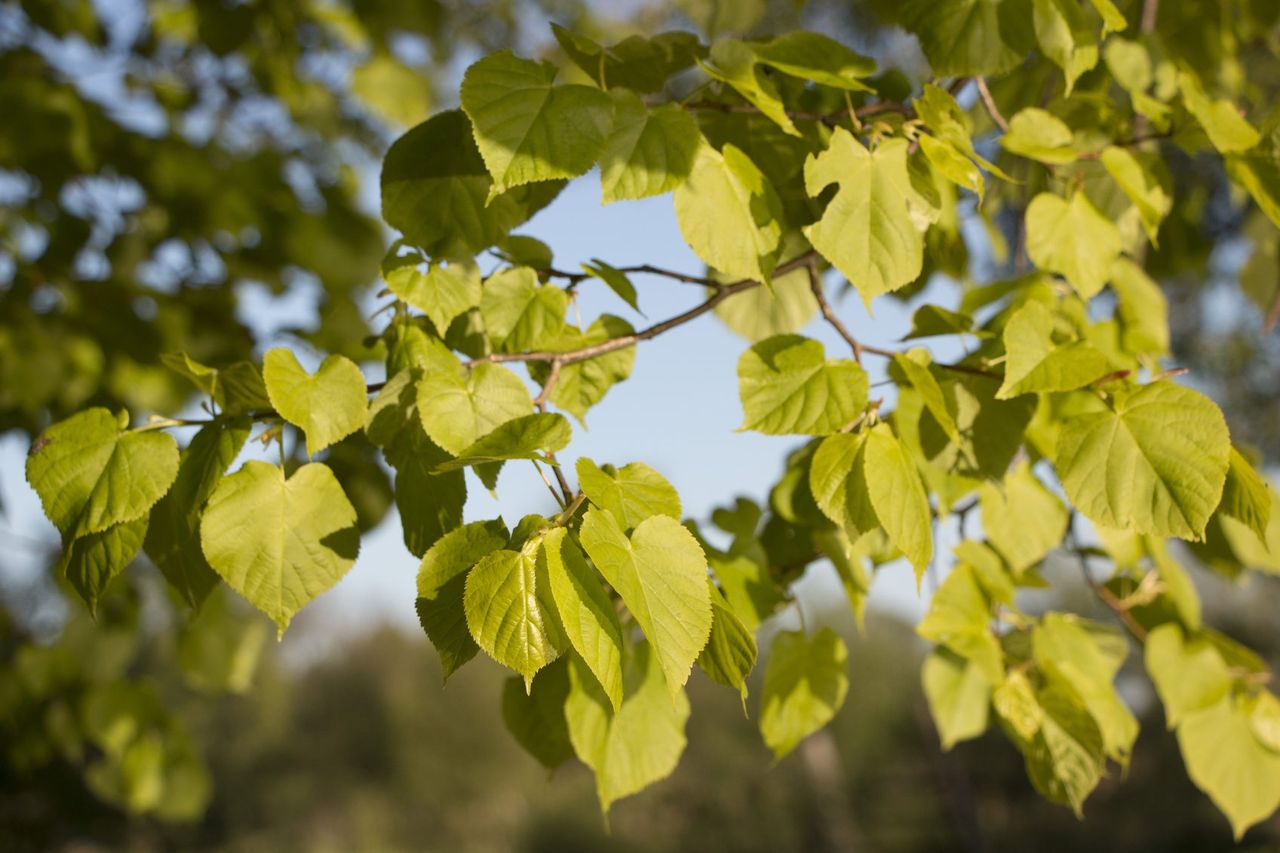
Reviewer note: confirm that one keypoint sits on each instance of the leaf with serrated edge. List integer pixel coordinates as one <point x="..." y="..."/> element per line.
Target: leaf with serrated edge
<point x="280" y="542"/>
<point x="327" y="405"/>
<point x="661" y="574"/>
<point x="442" y="578"/>
<point x="510" y="611"/>
<point x="1126" y="468"/>
<point x="590" y="621"/>
<point x="632" y="493"/>
<point x="788" y="387"/>
<point x="91" y="475"/>
<point x="805" y="684"/>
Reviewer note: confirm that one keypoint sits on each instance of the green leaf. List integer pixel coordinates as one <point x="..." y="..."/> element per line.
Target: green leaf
<point x="1065" y="757"/>
<point x="442" y="293"/>
<point x="639" y="744"/>
<point x="866" y="481"/>
<point x="519" y="314"/>
<point x="442" y="579"/>
<point x="729" y="214"/>
<point x="952" y="128"/>
<point x="328" y="405"/>
<point x="173" y="537"/>
<point x="536" y="717"/>
<point x="1188" y="671"/>
<point x="731" y="652"/>
<point x="631" y="493"/>
<point x="1125" y="468"/>
<point x="1113" y="20"/>
<point x="1036" y="363"/>
<point x="1066" y="37"/>
<point x="219" y="650"/>
<point x="1265" y="719"/>
<point x="635" y="63"/>
<point x="1246" y="497"/>
<point x="959" y="696"/>
<point x="959" y="618"/>
<point x="867" y="231"/>
<point x="914" y="365"/>
<point x="430" y="504"/>
<point x="718" y="17"/>
<point x="1072" y="239"/>
<point x="734" y="62"/>
<point x="968" y="37"/>
<point x="762" y="312"/>
<point x="1258" y="171"/>
<point x="932" y="320"/>
<point x="458" y="409"/>
<point x="952" y="164"/>
<point x="1226" y="760"/>
<point x="1065" y="650"/>
<point x="661" y="574"/>
<point x="1142" y="188"/>
<point x="527" y="129"/>
<point x="1022" y="519"/>
<point x="789" y="387"/>
<point x="648" y="152"/>
<point x="280" y="542"/>
<point x="510" y="611"/>
<point x="395" y="92"/>
<point x="237" y="388"/>
<point x="990" y="430"/>
<point x="590" y="621"/>
<point x="525" y="437"/>
<point x="1040" y="135"/>
<point x="1176" y="585"/>
<point x="584" y="383"/>
<point x="615" y="279"/>
<point x="899" y="498"/>
<point x="1142" y="311"/>
<point x="91" y="561"/>
<point x="813" y="56"/>
<point x="805" y="684"/>
<point x="436" y="191"/>
<point x="1229" y="132"/>
<point x="91" y="475"/>
<point x="838" y="481"/>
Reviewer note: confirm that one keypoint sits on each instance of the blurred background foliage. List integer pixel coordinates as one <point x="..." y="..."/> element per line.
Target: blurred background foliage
<point x="169" y="168"/>
<point x="362" y="749"/>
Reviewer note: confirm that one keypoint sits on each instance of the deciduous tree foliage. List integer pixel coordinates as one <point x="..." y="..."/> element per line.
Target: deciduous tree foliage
<point x="791" y="159"/>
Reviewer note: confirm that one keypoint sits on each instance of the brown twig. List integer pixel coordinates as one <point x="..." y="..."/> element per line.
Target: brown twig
<point x="1103" y="594"/>
<point x="990" y="103"/>
<point x="815" y="285"/>
<point x="721" y="293"/>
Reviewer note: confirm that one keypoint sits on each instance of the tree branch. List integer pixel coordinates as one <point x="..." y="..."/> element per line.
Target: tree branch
<point x="990" y="103"/>
<point x="1150" y="9"/>
<point x="815" y="285"/>
<point x="722" y="292"/>
<point x="1103" y="594"/>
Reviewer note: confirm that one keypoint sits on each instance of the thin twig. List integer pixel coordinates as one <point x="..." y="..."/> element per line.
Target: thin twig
<point x="1150" y="9"/>
<point x="815" y="284"/>
<point x="560" y="478"/>
<point x="990" y="103"/>
<point x="540" y="401"/>
<point x="1103" y="594"/>
<point x="721" y="293"/>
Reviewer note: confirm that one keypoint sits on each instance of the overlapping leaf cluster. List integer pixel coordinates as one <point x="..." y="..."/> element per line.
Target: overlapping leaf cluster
<point x="787" y="159"/>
